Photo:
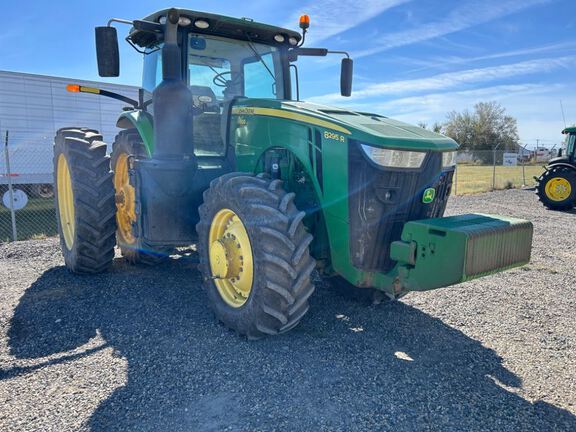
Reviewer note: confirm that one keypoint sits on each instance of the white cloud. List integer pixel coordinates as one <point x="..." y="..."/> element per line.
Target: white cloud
<point x="440" y="62"/>
<point x="331" y="17"/>
<point x="465" y="16"/>
<point x="434" y="106"/>
<point x="454" y="79"/>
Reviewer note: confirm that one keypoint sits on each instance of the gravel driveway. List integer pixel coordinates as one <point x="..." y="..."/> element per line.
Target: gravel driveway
<point x="138" y="348"/>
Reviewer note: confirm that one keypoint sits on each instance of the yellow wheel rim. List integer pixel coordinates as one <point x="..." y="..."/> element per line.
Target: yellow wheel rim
<point x="125" y="201"/>
<point x="558" y="189"/>
<point x="231" y="261"/>
<point x="65" y="201"/>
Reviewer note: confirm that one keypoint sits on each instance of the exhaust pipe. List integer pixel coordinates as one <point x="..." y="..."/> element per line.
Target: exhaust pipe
<point x="172" y="100"/>
<point x="165" y="182"/>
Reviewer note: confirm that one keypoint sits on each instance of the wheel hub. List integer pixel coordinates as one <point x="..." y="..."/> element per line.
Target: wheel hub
<point x="230" y="255"/>
<point x="558" y="189"/>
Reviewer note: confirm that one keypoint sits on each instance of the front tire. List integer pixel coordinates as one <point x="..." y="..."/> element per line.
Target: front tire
<point x="557" y="188"/>
<point x="254" y="255"/>
<point x="84" y="197"/>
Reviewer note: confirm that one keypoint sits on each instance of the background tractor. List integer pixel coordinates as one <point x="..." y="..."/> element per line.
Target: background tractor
<point x="557" y="185"/>
<point x="219" y="152"/>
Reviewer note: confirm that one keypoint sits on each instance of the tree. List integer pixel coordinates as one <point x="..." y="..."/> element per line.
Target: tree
<point x="487" y="128"/>
<point x="436" y="127"/>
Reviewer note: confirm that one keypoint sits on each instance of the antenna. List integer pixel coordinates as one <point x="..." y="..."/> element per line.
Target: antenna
<point x="563" y="116"/>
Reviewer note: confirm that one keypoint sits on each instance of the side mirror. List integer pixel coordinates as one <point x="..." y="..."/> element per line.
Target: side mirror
<point x="107" y="52"/>
<point x="346" y="73"/>
<point x="559" y="152"/>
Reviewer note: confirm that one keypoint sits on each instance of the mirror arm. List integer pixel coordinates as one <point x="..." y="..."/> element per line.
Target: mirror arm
<point x="119" y="20"/>
<point x="340" y="52"/>
<point x="294" y="53"/>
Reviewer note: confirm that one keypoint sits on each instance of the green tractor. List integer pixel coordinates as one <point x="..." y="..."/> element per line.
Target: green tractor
<point x="220" y="152"/>
<point x="557" y="185"/>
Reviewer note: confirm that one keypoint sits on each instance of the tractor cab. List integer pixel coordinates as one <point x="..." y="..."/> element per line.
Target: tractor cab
<point x="220" y="59"/>
<point x="217" y="71"/>
<point x="226" y="59"/>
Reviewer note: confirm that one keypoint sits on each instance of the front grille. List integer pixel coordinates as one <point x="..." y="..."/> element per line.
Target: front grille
<point x="382" y="200"/>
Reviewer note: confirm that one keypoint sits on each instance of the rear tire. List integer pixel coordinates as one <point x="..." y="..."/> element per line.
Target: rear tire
<point x="84" y="197"/>
<point x="129" y="143"/>
<point x="557" y="188"/>
<point x="281" y="262"/>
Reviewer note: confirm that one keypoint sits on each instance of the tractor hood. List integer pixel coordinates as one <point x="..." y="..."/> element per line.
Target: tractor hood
<point x="365" y="127"/>
<point x="377" y="129"/>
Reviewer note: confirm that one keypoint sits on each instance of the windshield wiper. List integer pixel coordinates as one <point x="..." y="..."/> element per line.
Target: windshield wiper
<point x="259" y="57"/>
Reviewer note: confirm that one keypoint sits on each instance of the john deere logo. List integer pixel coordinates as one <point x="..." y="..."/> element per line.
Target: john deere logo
<point x="429" y="195"/>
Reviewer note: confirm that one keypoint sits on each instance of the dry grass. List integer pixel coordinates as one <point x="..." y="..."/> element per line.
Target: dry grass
<point x="472" y="179"/>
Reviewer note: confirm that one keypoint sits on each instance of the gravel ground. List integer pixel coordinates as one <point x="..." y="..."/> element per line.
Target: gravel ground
<point x="138" y="349"/>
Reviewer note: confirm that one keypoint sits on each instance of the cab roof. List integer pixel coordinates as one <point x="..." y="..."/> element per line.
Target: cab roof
<point x="220" y="25"/>
<point x="571" y="129"/>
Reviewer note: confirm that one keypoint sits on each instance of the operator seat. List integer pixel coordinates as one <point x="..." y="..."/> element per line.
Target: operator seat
<point x="206" y="121"/>
<point x="204" y="99"/>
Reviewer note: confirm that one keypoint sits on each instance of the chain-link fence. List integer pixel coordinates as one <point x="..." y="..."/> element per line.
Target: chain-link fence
<point x="26" y="191"/>
<point x="483" y="171"/>
<point x="26" y="182"/>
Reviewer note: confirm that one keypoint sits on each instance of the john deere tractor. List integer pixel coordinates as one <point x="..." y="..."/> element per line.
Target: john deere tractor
<point x="557" y="185"/>
<point x="220" y="152"/>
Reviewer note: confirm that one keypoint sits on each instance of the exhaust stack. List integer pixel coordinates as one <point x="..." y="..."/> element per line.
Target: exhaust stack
<point x="166" y="180"/>
<point x="172" y="100"/>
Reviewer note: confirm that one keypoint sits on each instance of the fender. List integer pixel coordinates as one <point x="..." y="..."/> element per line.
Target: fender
<point x="143" y="122"/>
<point x="561" y="164"/>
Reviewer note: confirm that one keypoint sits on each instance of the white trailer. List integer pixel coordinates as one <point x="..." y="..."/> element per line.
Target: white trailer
<point x="33" y="108"/>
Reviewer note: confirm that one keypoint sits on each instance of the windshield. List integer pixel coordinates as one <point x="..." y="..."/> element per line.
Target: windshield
<point x="226" y="68"/>
<point x="570" y="144"/>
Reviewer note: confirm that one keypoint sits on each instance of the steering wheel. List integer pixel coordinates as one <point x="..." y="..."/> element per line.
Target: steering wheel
<point x="219" y="79"/>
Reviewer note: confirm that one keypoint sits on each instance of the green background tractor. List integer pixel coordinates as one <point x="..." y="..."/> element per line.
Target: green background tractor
<point x="557" y="185"/>
<point x="219" y="152"/>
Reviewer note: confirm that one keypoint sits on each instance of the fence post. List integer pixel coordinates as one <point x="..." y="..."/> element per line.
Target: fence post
<point x="10" y="188"/>
<point x="494" y="170"/>
<point x="523" y="167"/>
<point x="456" y="179"/>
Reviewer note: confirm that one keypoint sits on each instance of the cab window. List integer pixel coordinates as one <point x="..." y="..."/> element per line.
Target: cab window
<point x="259" y="78"/>
<point x="202" y="74"/>
<point x="570" y="144"/>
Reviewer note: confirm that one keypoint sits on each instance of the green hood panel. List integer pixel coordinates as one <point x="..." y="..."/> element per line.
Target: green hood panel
<point x="365" y="127"/>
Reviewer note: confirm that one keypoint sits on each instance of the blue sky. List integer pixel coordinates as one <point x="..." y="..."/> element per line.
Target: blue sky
<point x="415" y="60"/>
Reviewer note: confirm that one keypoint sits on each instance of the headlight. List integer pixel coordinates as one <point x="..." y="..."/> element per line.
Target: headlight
<point x="448" y="159"/>
<point x="394" y="158"/>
